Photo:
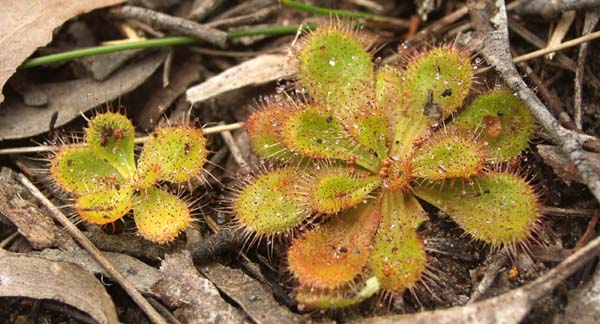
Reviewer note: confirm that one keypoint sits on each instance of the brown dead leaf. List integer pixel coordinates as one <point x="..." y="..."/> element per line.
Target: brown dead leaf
<point x="39" y="278"/>
<point x="27" y="25"/>
<point x="71" y="98"/>
<point x="32" y="222"/>
<point x="259" y="70"/>
<point x="197" y="299"/>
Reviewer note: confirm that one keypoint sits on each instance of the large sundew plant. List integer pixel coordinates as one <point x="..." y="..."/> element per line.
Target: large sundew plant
<point x="106" y="183"/>
<point x="363" y="147"/>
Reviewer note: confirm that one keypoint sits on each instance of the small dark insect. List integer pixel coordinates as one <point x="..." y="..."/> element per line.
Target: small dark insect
<point x="187" y="148"/>
<point x="329" y="119"/>
<point x="105" y="134"/>
<point x="432" y="109"/>
<point x="446" y="93"/>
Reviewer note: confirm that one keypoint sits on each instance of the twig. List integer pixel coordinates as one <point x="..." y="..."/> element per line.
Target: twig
<point x="235" y="151"/>
<point x="539" y="43"/>
<point x="152" y="314"/>
<point x="8" y="239"/>
<point x="182" y="26"/>
<point x="202" y="8"/>
<point x="589" y="231"/>
<point x="591" y="18"/>
<point x="139" y="140"/>
<point x="566" y="212"/>
<point x="432" y="29"/>
<point x="497" y="52"/>
<point x="167" y="68"/>
<point x="248" y="19"/>
<point x="552" y="8"/>
<point x="164" y="311"/>
<point x="556" y="48"/>
<point x="496" y="263"/>
<point x="553" y="102"/>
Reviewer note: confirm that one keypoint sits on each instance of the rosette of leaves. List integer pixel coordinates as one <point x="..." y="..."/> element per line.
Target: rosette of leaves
<point x="106" y="184"/>
<point x="360" y="152"/>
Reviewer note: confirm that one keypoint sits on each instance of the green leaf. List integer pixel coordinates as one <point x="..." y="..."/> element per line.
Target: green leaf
<point x="441" y="76"/>
<point x="159" y="215"/>
<point x="78" y="170"/>
<point x="264" y="128"/>
<point x="105" y="206"/>
<point x="272" y="203"/>
<point x="498" y="208"/>
<point x="449" y="155"/>
<point x="506" y="124"/>
<point x="398" y="257"/>
<point x="319" y="135"/>
<point x="335" y="253"/>
<point x="336" y="69"/>
<point x="336" y="189"/>
<point x="179" y="152"/>
<point x="111" y="137"/>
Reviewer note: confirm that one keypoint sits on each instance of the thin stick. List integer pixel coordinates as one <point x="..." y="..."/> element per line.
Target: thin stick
<point x="139" y="140"/>
<point x="559" y="47"/>
<point x="152" y="314"/>
<point x="182" y="26"/>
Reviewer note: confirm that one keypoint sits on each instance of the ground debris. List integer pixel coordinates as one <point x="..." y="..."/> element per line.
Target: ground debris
<point x="196" y="298"/>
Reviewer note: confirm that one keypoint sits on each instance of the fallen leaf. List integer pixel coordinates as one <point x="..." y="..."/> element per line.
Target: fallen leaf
<point x="197" y="299"/>
<point x="256" y="300"/>
<point x="71" y="98"/>
<point x="35" y="225"/>
<point x="141" y="275"/>
<point x="40" y="278"/>
<point x="259" y="70"/>
<point x="27" y="25"/>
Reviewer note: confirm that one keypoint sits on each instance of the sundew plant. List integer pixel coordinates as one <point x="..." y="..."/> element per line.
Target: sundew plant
<point x="356" y="155"/>
<point x="105" y="182"/>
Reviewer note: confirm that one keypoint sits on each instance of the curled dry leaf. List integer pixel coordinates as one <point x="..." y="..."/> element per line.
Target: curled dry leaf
<point x="259" y="70"/>
<point x="40" y="278"/>
<point x="71" y="98"/>
<point x="27" y="25"/>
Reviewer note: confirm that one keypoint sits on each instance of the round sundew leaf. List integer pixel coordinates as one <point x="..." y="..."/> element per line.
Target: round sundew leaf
<point x="436" y="82"/>
<point x="336" y="69"/>
<point x="398" y="257"/>
<point x="78" y="170"/>
<point x="338" y="298"/>
<point x="498" y="208"/>
<point x="505" y="123"/>
<point x="388" y="90"/>
<point x="180" y="152"/>
<point x="159" y="215"/>
<point x="105" y="206"/>
<point x="448" y="155"/>
<point x="319" y="135"/>
<point x="264" y="128"/>
<point x="335" y="253"/>
<point x="111" y="137"/>
<point x="336" y="189"/>
<point x="370" y="128"/>
<point x="272" y="204"/>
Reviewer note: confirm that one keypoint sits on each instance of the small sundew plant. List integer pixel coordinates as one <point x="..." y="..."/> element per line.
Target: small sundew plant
<point x="105" y="182"/>
<point x="360" y="151"/>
